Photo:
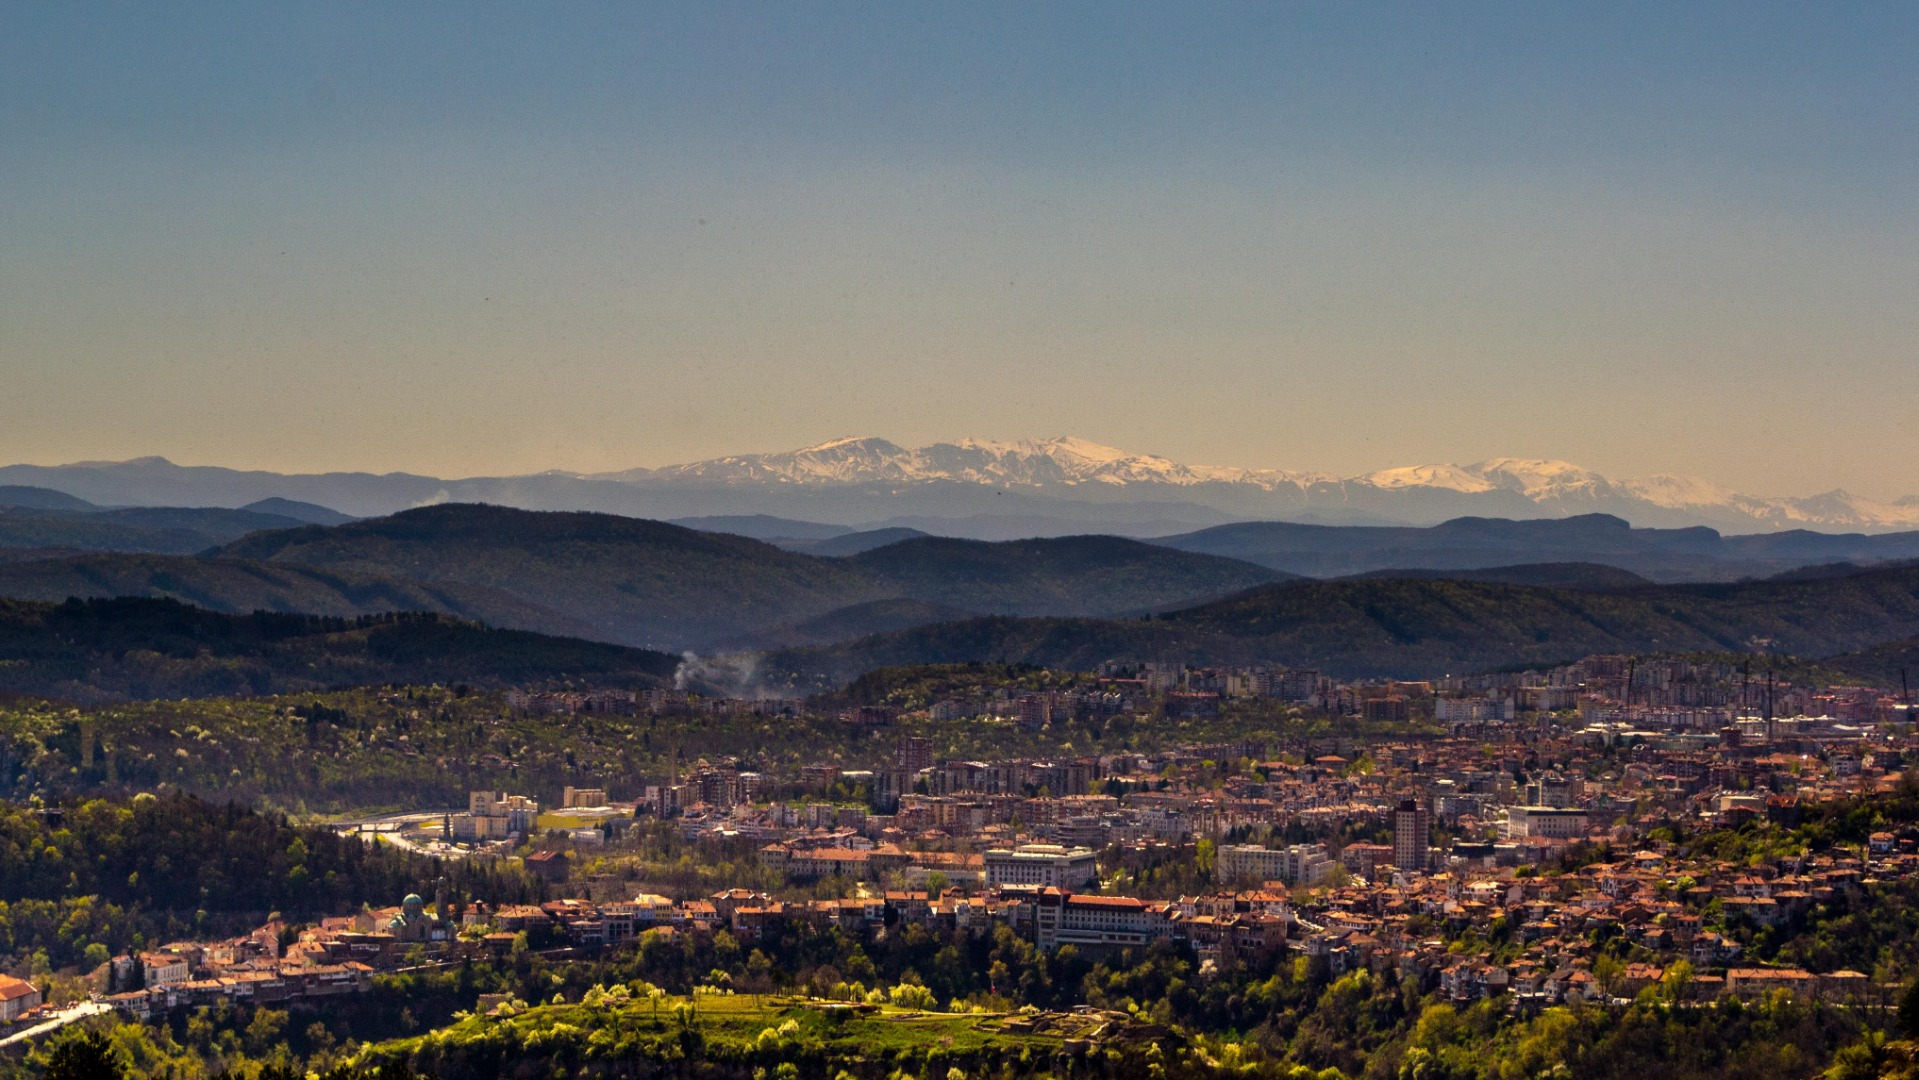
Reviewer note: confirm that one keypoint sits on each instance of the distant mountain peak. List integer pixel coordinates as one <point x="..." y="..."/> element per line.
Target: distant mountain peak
<point x="1061" y="461"/>
<point x="1037" y="483"/>
<point x="1449" y="477"/>
<point x="1075" y="467"/>
<point x="862" y="443"/>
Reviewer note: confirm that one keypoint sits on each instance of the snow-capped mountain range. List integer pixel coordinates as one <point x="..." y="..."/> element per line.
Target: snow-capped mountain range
<point x="1026" y="463"/>
<point x="1001" y="490"/>
<point x="1414" y="493"/>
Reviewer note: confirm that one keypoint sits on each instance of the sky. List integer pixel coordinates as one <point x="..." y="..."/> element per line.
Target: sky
<point x="467" y="239"/>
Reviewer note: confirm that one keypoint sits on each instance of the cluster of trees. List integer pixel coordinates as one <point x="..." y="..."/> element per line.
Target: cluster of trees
<point x="1282" y="1018"/>
<point x="93" y="878"/>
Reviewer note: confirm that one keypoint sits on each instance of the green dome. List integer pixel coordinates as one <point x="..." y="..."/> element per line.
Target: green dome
<point x="412" y="900"/>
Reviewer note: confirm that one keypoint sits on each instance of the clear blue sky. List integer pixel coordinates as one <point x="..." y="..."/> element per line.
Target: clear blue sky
<point x="465" y="239"/>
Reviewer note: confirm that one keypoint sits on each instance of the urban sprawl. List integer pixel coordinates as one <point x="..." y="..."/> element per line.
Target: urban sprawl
<point x="1537" y="810"/>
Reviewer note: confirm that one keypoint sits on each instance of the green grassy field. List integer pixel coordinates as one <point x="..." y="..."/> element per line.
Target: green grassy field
<point x="743" y="1032"/>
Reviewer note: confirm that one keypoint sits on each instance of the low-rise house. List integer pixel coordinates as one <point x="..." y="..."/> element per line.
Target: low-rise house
<point x="17" y="998"/>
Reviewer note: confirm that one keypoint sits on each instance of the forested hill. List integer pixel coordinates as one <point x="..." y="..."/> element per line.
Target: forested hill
<point x="239" y="586"/>
<point x="664" y="586"/>
<point x="106" y="650"/>
<point x="1894" y="664"/>
<point x="1414" y="628"/>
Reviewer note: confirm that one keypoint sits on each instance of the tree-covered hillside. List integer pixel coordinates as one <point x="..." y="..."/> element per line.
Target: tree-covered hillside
<point x="241" y="586"/>
<point x="107" y="650"/>
<point x="1069" y="575"/>
<point x="659" y="585"/>
<point x="113" y="873"/>
<point x="1415" y="628"/>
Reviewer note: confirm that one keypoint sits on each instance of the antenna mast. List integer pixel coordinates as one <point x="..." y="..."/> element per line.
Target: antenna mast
<point x="1769" y="728"/>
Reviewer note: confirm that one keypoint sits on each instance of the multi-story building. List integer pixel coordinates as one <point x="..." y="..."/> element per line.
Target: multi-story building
<point x="1035" y="711"/>
<point x="1549" y="822"/>
<point x="1042" y="864"/>
<point x="1297" y="685"/>
<point x="1300" y="864"/>
<point x="915" y="752"/>
<point x="1364" y="860"/>
<point x="163" y="969"/>
<point x="1553" y="790"/>
<point x="1391" y="709"/>
<point x="1412" y="831"/>
<point x="1471" y="710"/>
<point x="519" y="811"/>
<point x="1097" y="922"/>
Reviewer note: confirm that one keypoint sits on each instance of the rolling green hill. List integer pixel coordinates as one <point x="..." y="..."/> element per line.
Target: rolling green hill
<point x="106" y="650"/>
<point x="661" y="585"/>
<point x="239" y="586"/>
<point x="1894" y="664"/>
<point x="1413" y="628"/>
<point x="630" y="580"/>
<point x="1070" y="575"/>
<point x="847" y="623"/>
<point x="160" y="529"/>
<point x="23" y="497"/>
<point x="1671" y="555"/>
<point x="1551" y="575"/>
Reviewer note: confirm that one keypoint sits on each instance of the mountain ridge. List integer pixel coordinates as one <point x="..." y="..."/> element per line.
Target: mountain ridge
<point x="654" y="584"/>
<point x="1063" y="484"/>
<point x="1409" y="628"/>
<point x="1696" y="553"/>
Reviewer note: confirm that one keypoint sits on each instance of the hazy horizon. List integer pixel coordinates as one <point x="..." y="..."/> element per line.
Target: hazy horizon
<point x="322" y="470"/>
<point x="493" y="241"/>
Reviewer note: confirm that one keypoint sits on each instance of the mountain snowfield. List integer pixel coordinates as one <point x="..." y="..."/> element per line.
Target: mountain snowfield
<point x="1003" y="490"/>
<point x="1025" y="463"/>
<point x="1552" y="487"/>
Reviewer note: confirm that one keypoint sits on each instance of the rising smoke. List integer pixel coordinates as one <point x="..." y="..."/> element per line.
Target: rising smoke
<point x="733" y="676"/>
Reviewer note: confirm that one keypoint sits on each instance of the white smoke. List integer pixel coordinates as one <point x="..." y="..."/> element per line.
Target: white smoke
<point x="734" y="676"/>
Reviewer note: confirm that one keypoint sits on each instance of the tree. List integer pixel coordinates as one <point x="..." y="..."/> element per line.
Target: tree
<point x="1678" y="980"/>
<point x="1909" y="1011"/>
<point x="1608" y="969"/>
<point x="89" y="1055"/>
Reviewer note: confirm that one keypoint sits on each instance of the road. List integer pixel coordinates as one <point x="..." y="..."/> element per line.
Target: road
<point x="391" y="820"/>
<point x="391" y="828"/>
<point x="57" y="1021"/>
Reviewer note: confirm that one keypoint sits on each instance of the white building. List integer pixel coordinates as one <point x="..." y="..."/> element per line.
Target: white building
<point x="1471" y="710"/>
<point x="1300" y="864"/>
<point x="163" y="969"/>
<point x="1042" y="864"/>
<point x="519" y="811"/>
<point x="1550" y="822"/>
<point x="1098" y="922"/>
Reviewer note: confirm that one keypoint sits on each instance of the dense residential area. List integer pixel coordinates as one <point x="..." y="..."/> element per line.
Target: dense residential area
<point x="984" y="541"/>
<point x="1587" y="842"/>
